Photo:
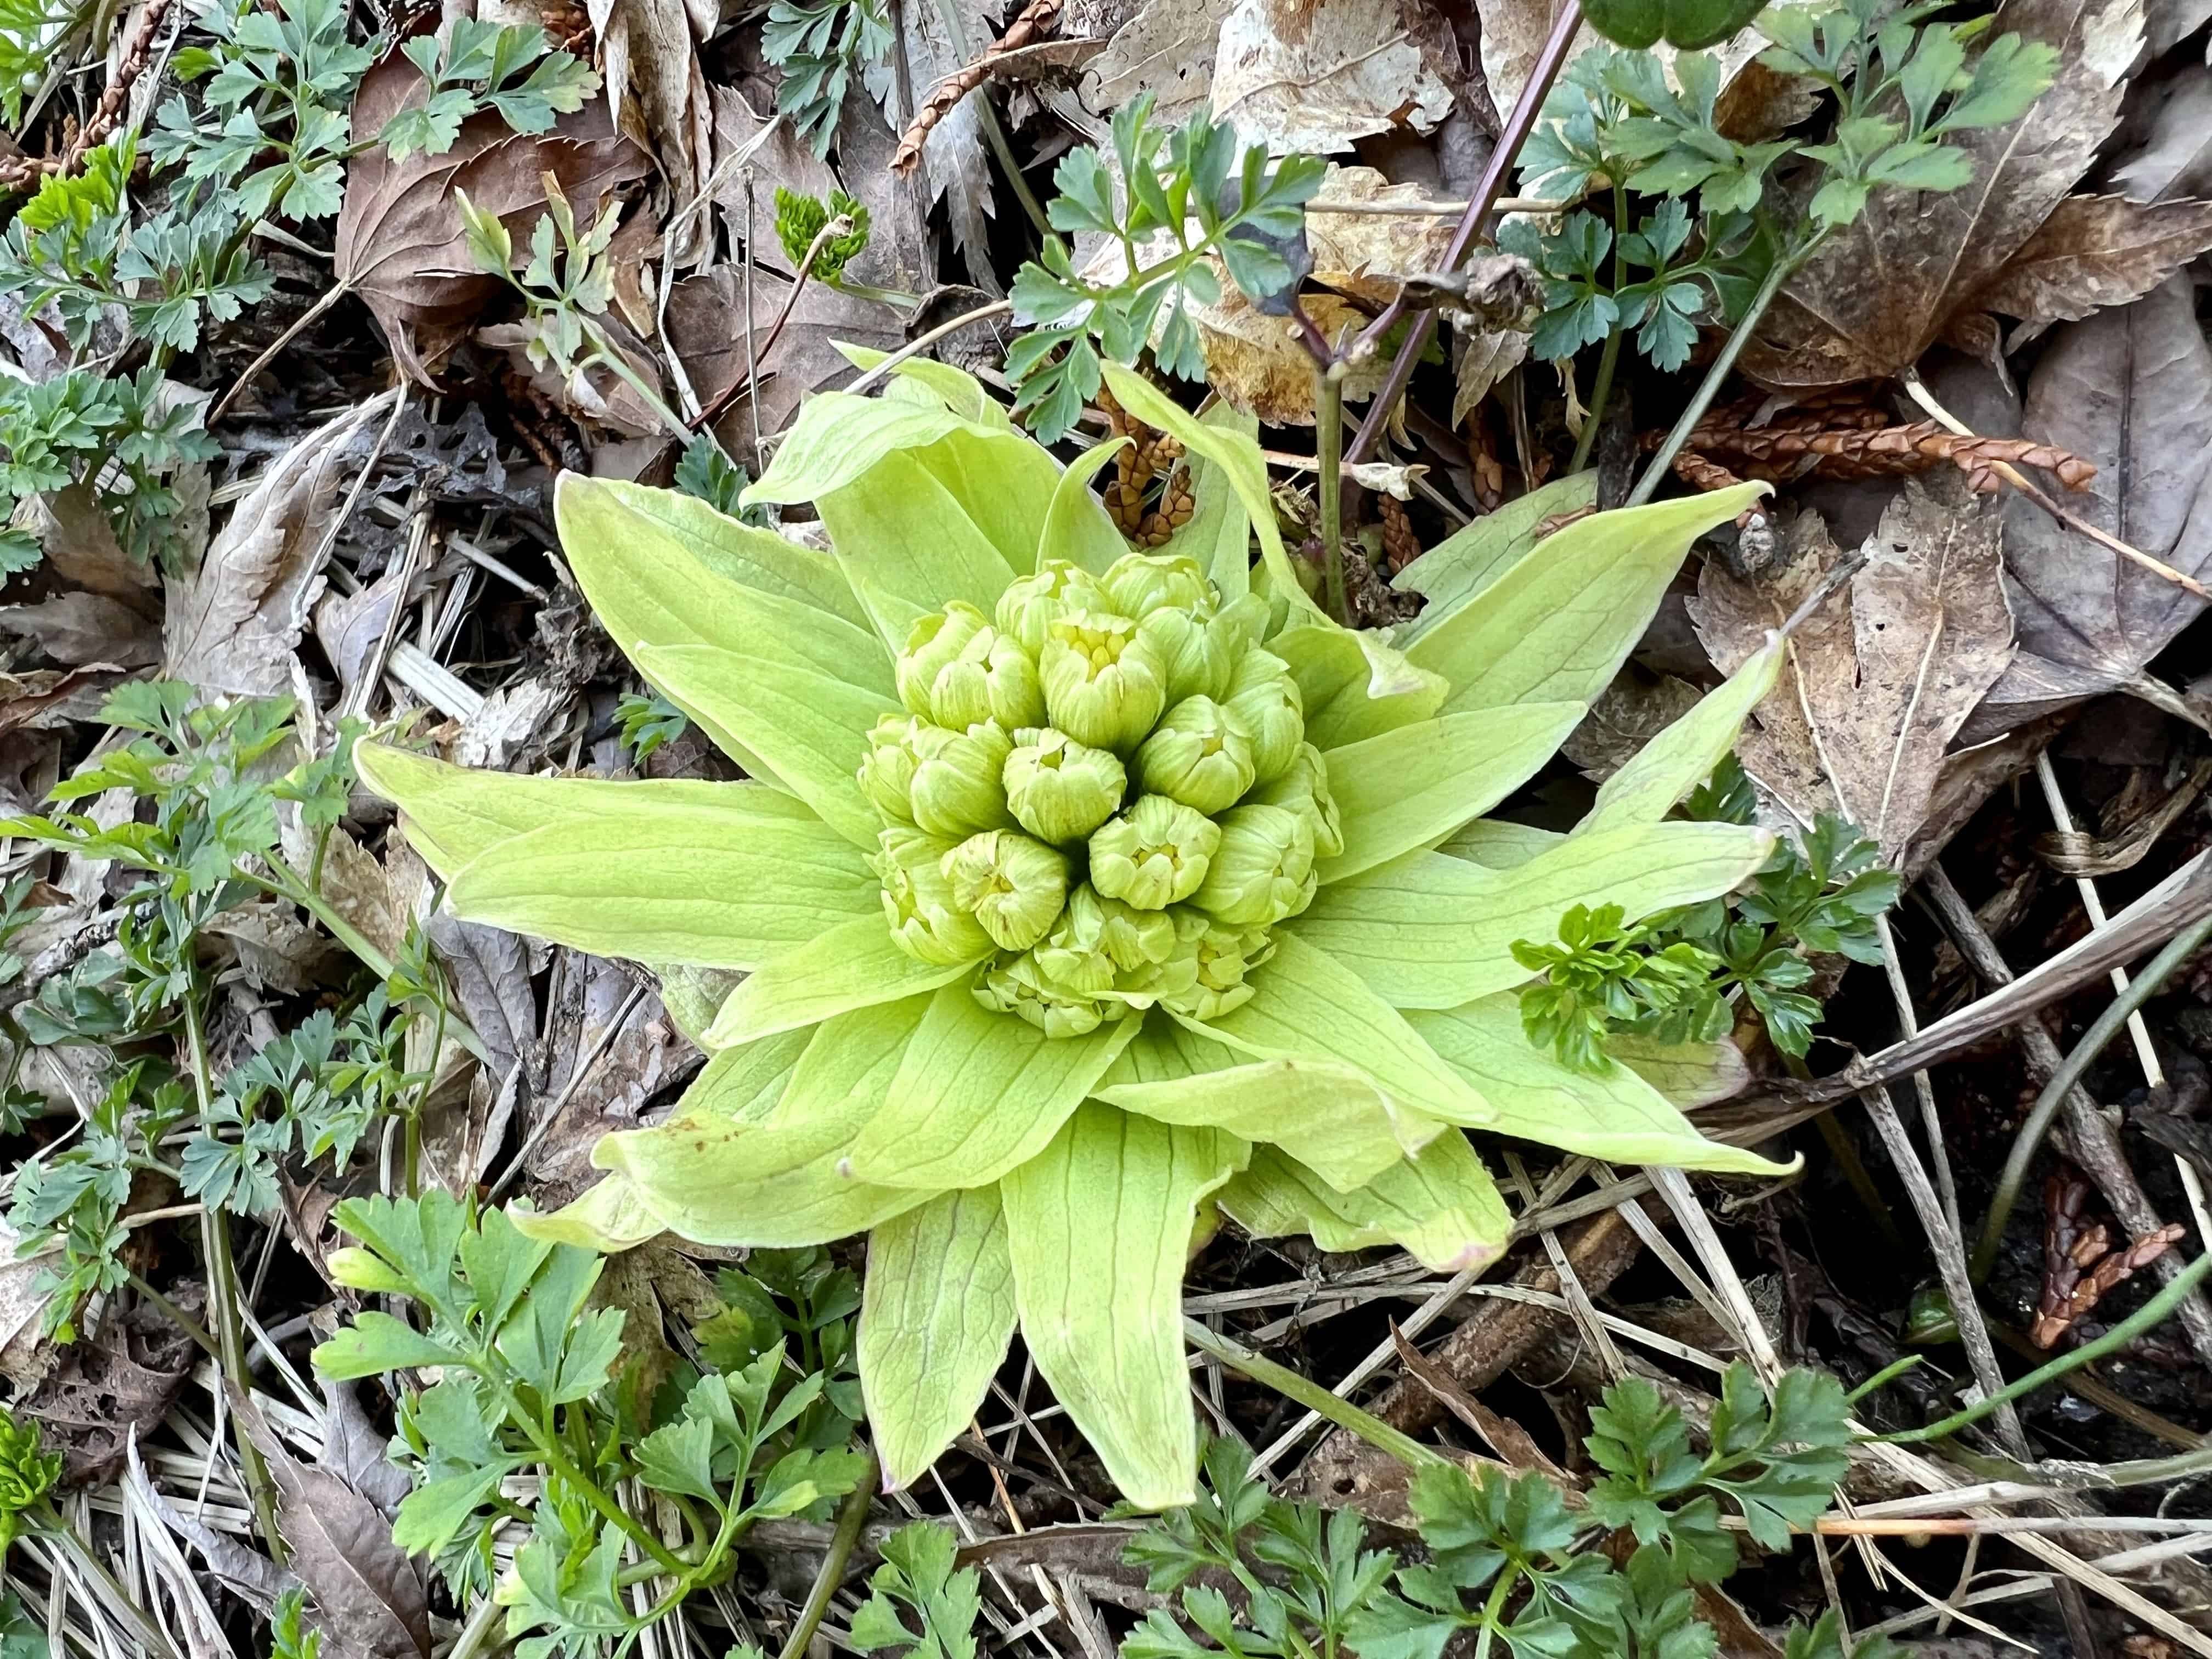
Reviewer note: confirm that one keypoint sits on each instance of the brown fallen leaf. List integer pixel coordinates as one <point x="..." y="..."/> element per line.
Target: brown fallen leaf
<point x="1166" y="49"/>
<point x="78" y="629"/>
<point x="1911" y="269"/>
<point x="1309" y="76"/>
<point x="648" y="55"/>
<point x="1628" y="713"/>
<point x="2092" y="252"/>
<point x="400" y="242"/>
<point x="1364" y="254"/>
<point x="1884" y="673"/>
<point x="952" y="156"/>
<point x="1259" y="366"/>
<point x="2129" y="390"/>
<point x="232" y="624"/>
<point x="2175" y="157"/>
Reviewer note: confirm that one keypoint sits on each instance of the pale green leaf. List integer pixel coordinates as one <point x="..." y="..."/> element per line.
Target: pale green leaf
<point x="717" y="1174"/>
<point x="609" y="1219"/>
<point x="1411" y="788"/>
<point x="1352" y="685"/>
<point x="1076" y="525"/>
<point x="457" y="814"/>
<point x="1329" y="1116"/>
<point x="1427" y="931"/>
<point x="811" y="727"/>
<point x="1557" y="626"/>
<point x="839" y="437"/>
<point x="1307" y="1006"/>
<point x="1443" y="1207"/>
<point x="1688" y="1074"/>
<point x="1470" y="559"/>
<point x="956" y="388"/>
<point x="936" y="1313"/>
<point x="910" y="546"/>
<point x="1219" y="533"/>
<point x="979" y="1093"/>
<point x="1684" y="756"/>
<point x="1616" y="1116"/>
<point x="854" y="965"/>
<point x="1238" y="457"/>
<point x="1099" y="1225"/>
<point x="670" y="883"/>
<point x="1498" y="844"/>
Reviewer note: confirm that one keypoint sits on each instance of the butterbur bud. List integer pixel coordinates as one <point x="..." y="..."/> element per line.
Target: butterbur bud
<point x="1034" y="603"/>
<point x="1200" y="754"/>
<point x="1303" y="787"/>
<point x="1262" y="693"/>
<point x="1141" y="583"/>
<point x="1153" y="855"/>
<point x="1014" y="884"/>
<point x="1020" y="987"/>
<point x="1105" y="685"/>
<point x="887" y="770"/>
<point x="1222" y="957"/>
<point x="926" y="921"/>
<point x="988" y="677"/>
<point x="934" y="644"/>
<point x="1061" y="790"/>
<point x="359" y="1269"/>
<point x="957" y="789"/>
<point x="1099" y="941"/>
<point x="1263" y="871"/>
<point x="1198" y="653"/>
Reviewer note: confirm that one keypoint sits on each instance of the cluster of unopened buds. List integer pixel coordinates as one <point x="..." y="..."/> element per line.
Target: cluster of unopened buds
<point x="1104" y="789"/>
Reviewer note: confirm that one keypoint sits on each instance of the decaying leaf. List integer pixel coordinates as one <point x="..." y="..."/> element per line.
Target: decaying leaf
<point x="2092" y="252"/>
<point x="1166" y="49"/>
<point x="1259" y="366"/>
<point x="952" y="156"/>
<point x="2129" y="390"/>
<point x="1913" y="268"/>
<point x="2175" y="159"/>
<point x="1314" y="75"/>
<point x="1884" y="673"/>
<point x="233" y="623"/>
<point x="648" y="55"/>
<point x="400" y="243"/>
<point x="1364" y="254"/>
<point x="1628" y="713"/>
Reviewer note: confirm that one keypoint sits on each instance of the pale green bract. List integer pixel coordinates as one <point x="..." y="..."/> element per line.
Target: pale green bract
<point x="1077" y="892"/>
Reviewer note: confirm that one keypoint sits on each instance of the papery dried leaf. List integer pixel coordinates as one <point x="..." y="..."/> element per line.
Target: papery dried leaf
<point x="2175" y="159"/>
<point x="648" y="52"/>
<point x="1363" y="254"/>
<point x="2092" y="251"/>
<point x="400" y="242"/>
<point x="1314" y="75"/>
<point x="1166" y="49"/>
<point x="1883" y="673"/>
<point x="953" y="155"/>
<point x="233" y="624"/>
<point x="1259" y="366"/>
<point x="1908" y="270"/>
<point x="2129" y="390"/>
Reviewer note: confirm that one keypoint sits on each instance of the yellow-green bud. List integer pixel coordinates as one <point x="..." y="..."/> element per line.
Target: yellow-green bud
<point x="1262" y="693"/>
<point x="1199" y="652"/>
<point x="1141" y="583"/>
<point x="1105" y="685"/>
<point x="1032" y="603"/>
<point x="1061" y="790"/>
<point x="1098" y="940"/>
<point x="1199" y="754"/>
<point x="1241" y="624"/>
<point x="360" y="1269"/>
<point x="957" y="789"/>
<point x="926" y="921"/>
<point x="887" y="771"/>
<point x="1018" y="987"/>
<point x="958" y="670"/>
<point x="1153" y="855"/>
<point x="1303" y="787"/>
<point x="1015" y="884"/>
<point x="1263" y="870"/>
<point x="1222" y="956"/>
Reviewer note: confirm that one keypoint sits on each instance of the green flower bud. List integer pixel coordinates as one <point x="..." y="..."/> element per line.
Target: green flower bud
<point x="1303" y="787"/>
<point x="927" y="920"/>
<point x="1262" y="693"/>
<point x="1018" y="986"/>
<point x="887" y="773"/>
<point x="1015" y="885"/>
<point x="1061" y="790"/>
<point x="361" y="1269"/>
<point x="1098" y="940"/>
<point x="958" y="670"/>
<point x="1105" y="685"/>
<point x="1141" y="583"/>
<point x="1242" y="621"/>
<point x="1153" y="855"/>
<point x="1264" y="869"/>
<point x="1199" y="652"/>
<point x="1029" y="606"/>
<point x="957" y="789"/>
<point x="1198" y="754"/>
<point x="1222" y="957"/>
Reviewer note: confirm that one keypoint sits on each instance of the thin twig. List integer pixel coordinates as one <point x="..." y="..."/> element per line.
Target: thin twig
<point x="922" y="342"/>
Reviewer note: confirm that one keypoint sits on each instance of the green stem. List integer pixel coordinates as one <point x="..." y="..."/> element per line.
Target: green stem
<point x="1609" y="360"/>
<point x="2119" y="1336"/>
<point x="557" y="1460"/>
<point x="851" y="1518"/>
<point x="1785" y="268"/>
<point x="894" y="298"/>
<point x="223" y="1292"/>
<point x="183" y="1321"/>
<point x="1310" y="1394"/>
<point x="2028" y="1140"/>
<point x="1328" y="440"/>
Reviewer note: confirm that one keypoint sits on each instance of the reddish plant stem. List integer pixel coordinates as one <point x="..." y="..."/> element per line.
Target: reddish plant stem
<point x="1519" y="126"/>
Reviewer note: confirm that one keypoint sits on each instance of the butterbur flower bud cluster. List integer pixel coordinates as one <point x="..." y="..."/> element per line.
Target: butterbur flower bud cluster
<point x="1101" y="794"/>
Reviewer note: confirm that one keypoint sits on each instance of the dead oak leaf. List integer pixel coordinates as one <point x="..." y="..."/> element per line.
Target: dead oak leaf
<point x="2092" y="252"/>
<point x="1883" y="673"/>
<point x="1315" y="74"/>
<point x="1908" y="271"/>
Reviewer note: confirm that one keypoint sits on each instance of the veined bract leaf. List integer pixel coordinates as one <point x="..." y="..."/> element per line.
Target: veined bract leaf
<point x="919" y="546"/>
<point x="1219" y="532"/>
<point x="851" y="966"/>
<point x="937" y="1310"/>
<point x="1099" y="1225"/>
<point x="1443" y="1207"/>
<point x="1428" y="931"/>
<point x="1470" y="559"/>
<point x="1682" y="757"/>
<point x="953" y="386"/>
<point x="1557" y="626"/>
<point x="1353" y="686"/>
<point x="1076" y="527"/>
<point x="1616" y="1116"/>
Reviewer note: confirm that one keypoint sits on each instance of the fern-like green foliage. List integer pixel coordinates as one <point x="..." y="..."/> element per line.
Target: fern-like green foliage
<point x="30" y="30"/>
<point x="821" y="46"/>
<point x="510" y="70"/>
